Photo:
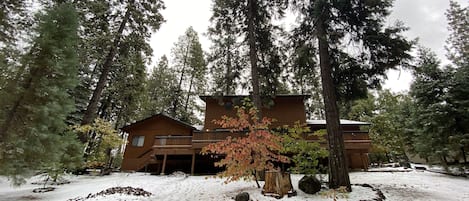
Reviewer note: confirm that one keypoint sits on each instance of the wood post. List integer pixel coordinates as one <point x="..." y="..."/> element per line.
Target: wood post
<point x="193" y="164"/>
<point x="364" y="161"/>
<point x="164" y="163"/>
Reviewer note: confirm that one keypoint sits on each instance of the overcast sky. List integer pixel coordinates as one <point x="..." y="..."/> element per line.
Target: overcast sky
<point x="425" y="18"/>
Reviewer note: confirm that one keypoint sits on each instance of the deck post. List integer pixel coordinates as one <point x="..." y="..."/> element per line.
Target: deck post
<point x="164" y="164"/>
<point x="364" y="162"/>
<point x="193" y="163"/>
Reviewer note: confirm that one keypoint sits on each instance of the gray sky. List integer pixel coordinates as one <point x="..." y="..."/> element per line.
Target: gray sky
<point x="425" y="18"/>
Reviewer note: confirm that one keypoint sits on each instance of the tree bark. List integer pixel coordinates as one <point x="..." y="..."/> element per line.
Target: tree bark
<point x="338" y="168"/>
<point x="228" y="73"/>
<point x="179" y="89"/>
<point x="92" y="107"/>
<point x="278" y="184"/>
<point x="186" y="105"/>
<point x="252" y="9"/>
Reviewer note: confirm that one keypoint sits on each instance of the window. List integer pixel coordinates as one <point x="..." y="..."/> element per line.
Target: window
<point x="137" y="141"/>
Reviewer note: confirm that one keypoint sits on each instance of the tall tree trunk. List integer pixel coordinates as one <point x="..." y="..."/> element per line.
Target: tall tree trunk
<point x="252" y="9"/>
<point x="179" y="89"/>
<point x="228" y="73"/>
<point x="186" y="105"/>
<point x="338" y="169"/>
<point x="92" y="107"/>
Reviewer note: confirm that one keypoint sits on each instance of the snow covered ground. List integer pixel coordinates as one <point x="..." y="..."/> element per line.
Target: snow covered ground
<point x="399" y="186"/>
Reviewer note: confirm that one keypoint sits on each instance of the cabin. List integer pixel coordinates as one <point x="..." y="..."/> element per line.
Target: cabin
<point x="163" y="144"/>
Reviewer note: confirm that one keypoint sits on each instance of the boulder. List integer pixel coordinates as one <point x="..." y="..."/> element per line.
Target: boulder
<point x="404" y="164"/>
<point x="243" y="196"/>
<point x="309" y="184"/>
<point x="420" y="168"/>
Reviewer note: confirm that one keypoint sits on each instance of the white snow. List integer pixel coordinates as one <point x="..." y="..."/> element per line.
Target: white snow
<point x="399" y="186"/>
<point x="342" y="121"/>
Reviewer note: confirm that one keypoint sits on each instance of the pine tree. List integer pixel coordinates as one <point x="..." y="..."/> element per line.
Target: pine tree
<point x="431" y="128"/>
<point x="440" y="128"/>
<point x="33" y="131"/>
<point x="335" y="25"/>
<point x="189" y="62"/>
<point x="363" y="109"/>
<point x="160" y="86"/>
<point x="458" y="52"/>
<point x="96" y="25"/>
<point x="252" y="19"/>
<point x="305" y="76"/>
<point x="12" y="19"/>
<point x="458" y="41"/>
<point x="123" y="99"/>
<point x="135" y="19"/>
<point x="226" y="58"/>
<point x="388" y="126"/>
<point x="15" y="24"/>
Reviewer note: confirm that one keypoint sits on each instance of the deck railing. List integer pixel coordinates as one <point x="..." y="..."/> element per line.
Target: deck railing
<point x="172" y="141"/>
<point x="352" y="139"/>
<point x="203" y="138"/>
<point x="200" y="139"/>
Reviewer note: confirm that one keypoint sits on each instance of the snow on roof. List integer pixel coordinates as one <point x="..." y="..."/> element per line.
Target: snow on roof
<point x="342" y="121"/>
<point x="198" y="127"/>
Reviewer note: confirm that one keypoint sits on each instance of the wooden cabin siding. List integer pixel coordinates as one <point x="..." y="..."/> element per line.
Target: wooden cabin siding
<point x="285" y="110"/>
<point x="159" y="125"/>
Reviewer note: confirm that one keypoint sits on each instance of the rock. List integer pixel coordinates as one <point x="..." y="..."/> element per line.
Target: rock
<point x="404" y="164"/>
<point x="179" y="174"/>
<point x="420" y="168"/>
<point x="105" y="171"/>
<point x="309" y="184"/>
<point x="43" y="190"/>
<point x="243" y="196"/>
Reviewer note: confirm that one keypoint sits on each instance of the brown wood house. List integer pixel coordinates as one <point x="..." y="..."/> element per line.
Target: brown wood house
<point x="163" y="144"/>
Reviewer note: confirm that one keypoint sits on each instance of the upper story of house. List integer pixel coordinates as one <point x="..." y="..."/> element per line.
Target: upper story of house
<point x="284" y="109"/>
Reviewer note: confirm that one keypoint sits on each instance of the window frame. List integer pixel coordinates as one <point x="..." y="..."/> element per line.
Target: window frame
<point x="138" y="141"/>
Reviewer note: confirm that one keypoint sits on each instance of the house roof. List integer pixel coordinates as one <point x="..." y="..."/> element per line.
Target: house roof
<point x="128" y="127"/>
<point x="205" y="97"/>
<point x="342" y="122"/>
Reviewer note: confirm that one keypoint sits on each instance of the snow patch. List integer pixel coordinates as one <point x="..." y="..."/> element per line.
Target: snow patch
<point x="400" y="186"/>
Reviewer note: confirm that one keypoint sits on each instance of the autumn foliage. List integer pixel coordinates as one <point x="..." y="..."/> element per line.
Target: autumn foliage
<point x="244" y="156"/>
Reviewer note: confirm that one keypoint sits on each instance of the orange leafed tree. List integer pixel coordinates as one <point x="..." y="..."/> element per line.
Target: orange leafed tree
<point x="244" y="156"/>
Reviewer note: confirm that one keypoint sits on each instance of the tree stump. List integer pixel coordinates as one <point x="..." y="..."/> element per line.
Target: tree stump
<point x="277" y="184"/>
<point x="260" y="175"/>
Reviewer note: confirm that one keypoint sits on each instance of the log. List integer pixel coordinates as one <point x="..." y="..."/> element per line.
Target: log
<point x="278" y="184"/>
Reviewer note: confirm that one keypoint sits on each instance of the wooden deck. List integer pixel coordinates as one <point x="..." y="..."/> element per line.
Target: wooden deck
<point x="356" y="142"/>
